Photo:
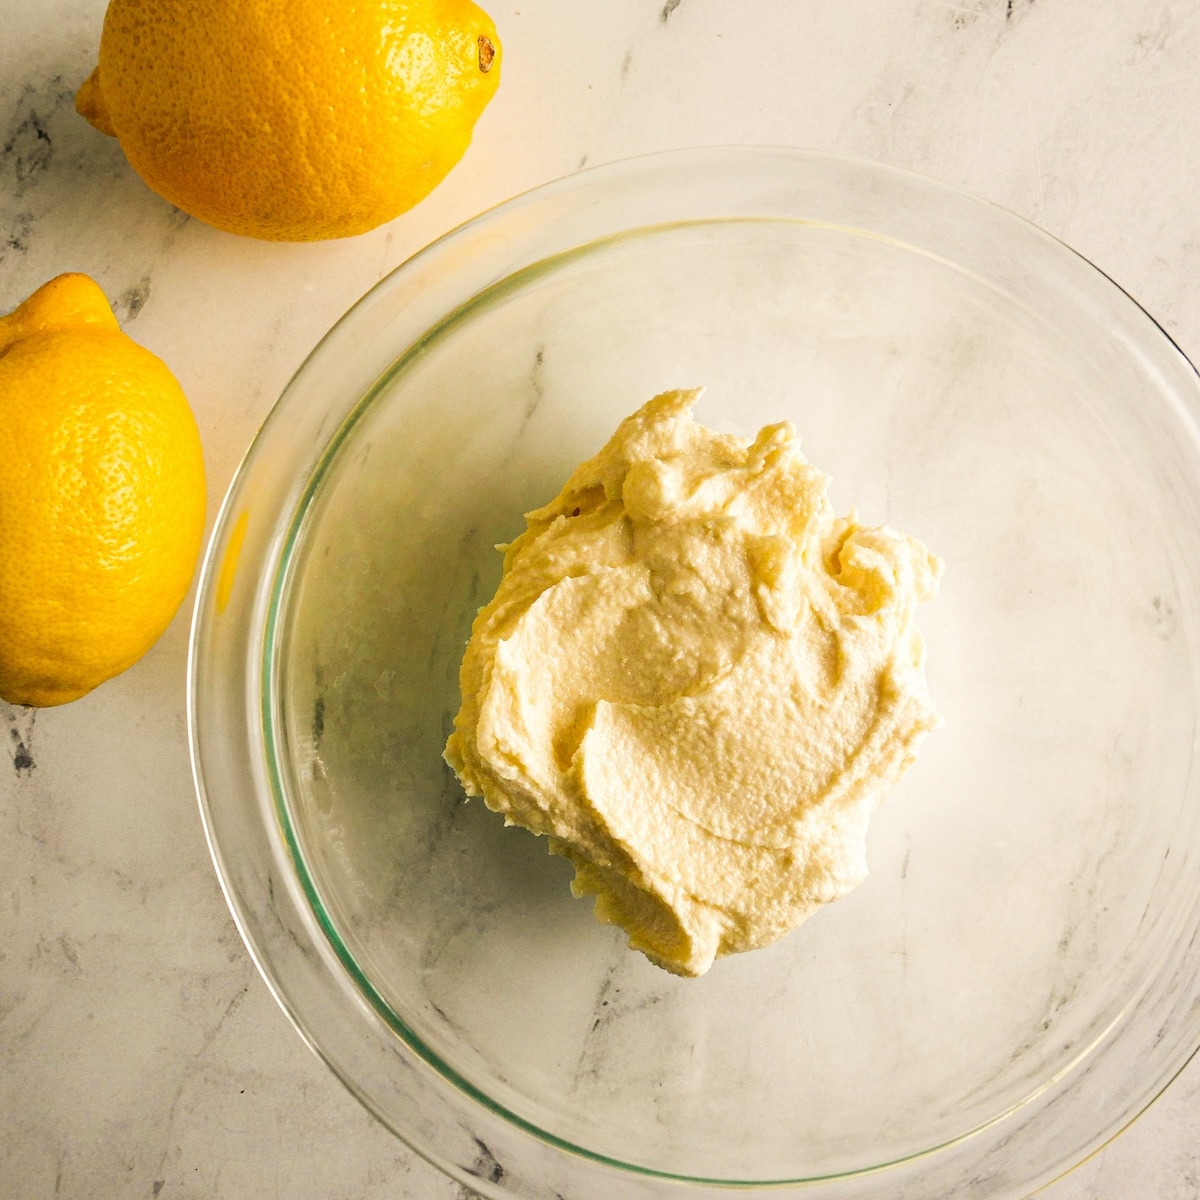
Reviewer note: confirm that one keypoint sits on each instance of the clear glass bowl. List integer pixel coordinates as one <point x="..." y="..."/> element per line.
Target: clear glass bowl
<point x="1020" y="975"/>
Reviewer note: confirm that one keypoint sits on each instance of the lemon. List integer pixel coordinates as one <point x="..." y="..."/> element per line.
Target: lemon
<point x="292" y="120"/>
<point x="101" y="495"/>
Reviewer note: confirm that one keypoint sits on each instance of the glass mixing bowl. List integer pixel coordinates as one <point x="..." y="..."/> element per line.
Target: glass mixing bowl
<point x="1019" y="976"/>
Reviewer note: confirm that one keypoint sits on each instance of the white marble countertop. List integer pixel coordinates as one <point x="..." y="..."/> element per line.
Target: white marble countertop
<point x="142" y="1054"/>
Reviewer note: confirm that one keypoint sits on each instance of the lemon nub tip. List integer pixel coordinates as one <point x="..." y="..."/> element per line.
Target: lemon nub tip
<point x="91" y="106"/>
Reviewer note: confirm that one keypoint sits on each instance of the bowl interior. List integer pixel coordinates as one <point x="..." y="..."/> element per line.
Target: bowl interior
<point x="1029" y="874"/>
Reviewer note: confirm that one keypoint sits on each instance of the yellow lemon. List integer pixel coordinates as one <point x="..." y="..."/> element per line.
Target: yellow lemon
<point x="101" y="495"/>
<point x="292" y="119"/>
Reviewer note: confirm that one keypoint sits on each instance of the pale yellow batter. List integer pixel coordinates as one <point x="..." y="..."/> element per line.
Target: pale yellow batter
<point x="699" y="683"/>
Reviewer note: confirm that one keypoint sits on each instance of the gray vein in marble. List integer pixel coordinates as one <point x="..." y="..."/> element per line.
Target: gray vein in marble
<point x="904" y="932"/>
<point x="587" y="1066"/>
<point x="609" y="1009"/>
<point x="1063" y="986"/>
<point x="54" y="165"/>
<point x="36" y="818"/>
<point x="472" y="601"/>
<point x="311" y="746"/>
<point x="1162" y="619"/>
<point x="22" y="231"/>
<point x="318" y="717"/>
<point x="209" y="1037"/>
<point x="435" y="947"/>
<point x="292" y="936"/>
<point x="433" y="839"/>
<point x="20" y="731"/>
<point x="28" y="146"/>
<point x="1154" y="40"/>
<point x="1010" y="10"/>
<point x="538" y="379"/>
<point x="387" y="258"/>
<point x="537" y="384"/>
<point x="486" y="1166"/>
<point x="668" y="9"/>
<point x="132" y="300"/>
